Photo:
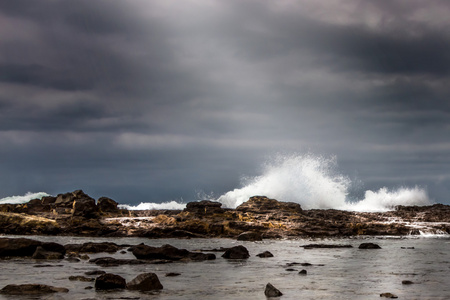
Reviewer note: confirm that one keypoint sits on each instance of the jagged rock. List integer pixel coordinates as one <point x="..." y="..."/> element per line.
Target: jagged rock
<point x="85" y="207"/>
<point x="41" y="253"/>
<point x="249" y="236"/>
<point x="272" y="291"/>
<point x="31" y="289"/>
<point x="388" y="295"/>
<point x="369" y="246"/>
<point x="106" y="204"/>
<point x="265" y="254"/>
<point x="110" y="281"/>
<point x="262" y="205"/>
<point x="236" y="252"/>
<point x="204" y="207"/>
<point x="18" y="247"/>
<point x="145" y="282"/>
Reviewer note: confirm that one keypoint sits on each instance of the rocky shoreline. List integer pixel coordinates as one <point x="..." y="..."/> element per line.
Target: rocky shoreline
<point x="78" y="214"/>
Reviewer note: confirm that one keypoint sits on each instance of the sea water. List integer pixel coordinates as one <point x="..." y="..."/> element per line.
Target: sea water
<point x="345" y="273"/>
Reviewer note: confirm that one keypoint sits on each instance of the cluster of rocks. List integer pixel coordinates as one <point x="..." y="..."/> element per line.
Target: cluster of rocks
<point x="258" y="218"/>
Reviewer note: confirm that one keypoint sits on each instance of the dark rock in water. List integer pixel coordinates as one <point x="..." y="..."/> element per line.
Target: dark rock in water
<point x="325" y="246"/>
<point x="204" y="207"/>
<point x="18" y="247"/>
<point x="145" y="282"/>
<point x="31" y="289"/>
<point x="407" y="282"/>
<point x="93" y="247"/>
<point x="262" y="204"/>
<point x="112" y="262"/>
<point x="54" y="247"/>
<point x="272" y="291"/>
<point x="172" y="274"/>
<point x="249" y="236"/>
<point x="168" y="252"/>
<point x="265" y="254"/>
<point x="236" y="252"/>
<point x="388" y="295"/>
<point x="369" y="246"/>
<point x="107" y="205"/>
<point x="109" y="281"/>
<point x="95" y="272"/>
<point x="407" y="247"/>
<point x="41" y="253"/>
<point x="291" y="270"/>
<point x="303" y="272"/>
<point x="198" y="256"/>
<point x="81" y="278"/>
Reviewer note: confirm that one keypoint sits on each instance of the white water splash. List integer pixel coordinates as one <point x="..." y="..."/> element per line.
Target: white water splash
<point x="172" y="205"/>
<point x="313" y="182"/>
<point x="23" y="199"/>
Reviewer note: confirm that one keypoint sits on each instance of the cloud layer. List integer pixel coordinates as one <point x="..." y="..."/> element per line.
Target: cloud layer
<point x="153" y="100"/>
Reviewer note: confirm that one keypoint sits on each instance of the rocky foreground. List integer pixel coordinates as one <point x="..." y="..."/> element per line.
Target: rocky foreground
<point x="78" y="214"/>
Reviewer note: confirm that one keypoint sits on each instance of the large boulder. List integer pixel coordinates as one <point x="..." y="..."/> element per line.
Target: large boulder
<point x="107" y="205"/>
<point x="263" y="205"/>
<point x="18" y="247"/>
<point x="236" y="252"/>
<point x="145" y="282"/>
<point x="85" y="207"/>
<point x="110" y="281"/>
<point x="164" y="252"/>
<point x="31" y="289"/>
<point x="204" y="207"/>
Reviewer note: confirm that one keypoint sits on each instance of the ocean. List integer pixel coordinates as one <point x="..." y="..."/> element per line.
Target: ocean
<point x="344" y="273"/>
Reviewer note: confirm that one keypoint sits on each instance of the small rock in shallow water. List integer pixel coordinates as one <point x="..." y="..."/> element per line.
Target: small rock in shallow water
<point x="31" y="289"/>
<point x="303" y="272"/>
<point x="236" y="252"/>
<point x="369" y="246"/>
<point x="80" y="278"/>
<point x="388" y="295"/>
<point x="272" y="291"/>
<point x="95" y="272"/>
<point x="172" y="274"/>
<point x="407" y="282"/>
<point x="109" y="281"/>
<point x="145" y="282"/>
<point x="265" y="254"/>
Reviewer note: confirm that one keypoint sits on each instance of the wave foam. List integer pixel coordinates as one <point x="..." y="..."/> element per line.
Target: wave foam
<point x="23" y="199"/>
<point x="172" y="205"/>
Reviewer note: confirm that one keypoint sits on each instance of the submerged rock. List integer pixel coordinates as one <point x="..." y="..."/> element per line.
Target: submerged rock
<point x="325" y="246"/>
<point x="388" y="295"/>
<point x="31" y="289"/>
<point x="168" y="252"/>
<point x="18" y="247"/>
<point x="265" y="254"/>
<point x="236" y="252"/>
<point x="110" y="281"/>
<point x="145" y="282"/>
<point x="272" y="291"/>
<point x="41" y="253"/>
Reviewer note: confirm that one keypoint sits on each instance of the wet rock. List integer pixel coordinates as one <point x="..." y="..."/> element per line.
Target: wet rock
<point x="197" y="256"/>
<point x="107" y="205"/>
<point x="262" y="205"/>
<point x="93" y="247"/>
<point x="290" y="270"/>
<point x="81" y="278"/>
<point x="369" y="246"/>
<point x="204" y="207"/>
<point x="18" y="247"/>
<point x="249" y="236"/>
<point x="303" y="272"/>
<point x="31" y="289"/>
<point x="407" y="282"/>
<point x="265" y="254"/>
<point x="167" y="252"/>
<point x="325" y="246"/>
<point x="388" y="295"/>
<point x="272" y="291"/>
<point x="172" y="274"/>
<point x="236" y="252"/>
<point x="110" y="281"/>
<point x="112" y="262"/>
<point x="85" y="207"/>
<point x="41" y="253"/>
<point x="145" y="282"/>
<point x="95" y="272"/>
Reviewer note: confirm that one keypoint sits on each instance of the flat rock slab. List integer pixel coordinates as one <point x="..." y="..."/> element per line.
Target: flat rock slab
<point x="31" y="289"/>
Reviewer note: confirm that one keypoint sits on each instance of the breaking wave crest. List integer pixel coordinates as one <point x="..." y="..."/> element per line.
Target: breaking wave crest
<point x="23" y="199"/>
<point x="313" y="182"/>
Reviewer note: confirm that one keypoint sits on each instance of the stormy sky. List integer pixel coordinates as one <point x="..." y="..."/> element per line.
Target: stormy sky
<point x="150" y="101"/>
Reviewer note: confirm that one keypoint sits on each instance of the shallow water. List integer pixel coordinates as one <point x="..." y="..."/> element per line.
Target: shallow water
<point x="347" y="273"/>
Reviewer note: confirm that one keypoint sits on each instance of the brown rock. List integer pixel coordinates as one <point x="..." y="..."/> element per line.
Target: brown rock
<point x="18" y="247"/>
<point x="145" y="282"/>
<point x="249" y="236"/>
<point x="236" y="252"/>
<point x="204" y="207"/>
<point x="108" y="205"/>
<point x="110" y="282"/>
<point x="272" y="291"/>
<point x="31" y="289"/>
<point x="262" y="204"/>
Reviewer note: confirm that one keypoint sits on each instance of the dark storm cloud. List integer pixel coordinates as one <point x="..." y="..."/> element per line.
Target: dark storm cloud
<point x="151" y="100"/>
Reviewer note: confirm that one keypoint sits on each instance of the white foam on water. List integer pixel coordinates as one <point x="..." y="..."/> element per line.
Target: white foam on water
<point x="172" y="205"/>
<point x="23" y="199"/>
